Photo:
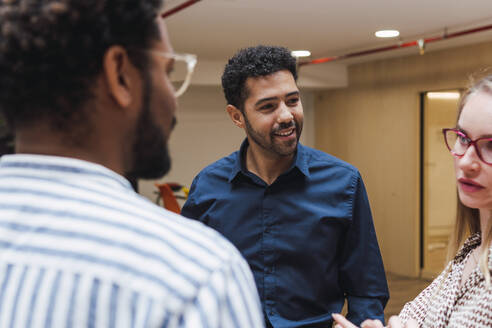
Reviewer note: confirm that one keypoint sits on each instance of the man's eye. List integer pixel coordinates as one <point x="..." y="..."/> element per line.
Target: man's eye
<point x="170" y="70"/>
<point x="267" y="106"/>
<point x="293" y="101"/>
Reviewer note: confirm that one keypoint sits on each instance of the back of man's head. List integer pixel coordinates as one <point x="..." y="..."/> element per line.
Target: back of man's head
<point x="253" y="62"/>
<point x="52" y="50"/>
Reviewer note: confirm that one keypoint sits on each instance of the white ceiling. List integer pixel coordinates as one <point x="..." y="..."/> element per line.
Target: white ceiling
<point x="216" y="29"/>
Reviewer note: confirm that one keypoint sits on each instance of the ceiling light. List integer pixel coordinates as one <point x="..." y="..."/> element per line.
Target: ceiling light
<point x="443" y="95"/>
<point x="300" y="53"/>
<point x="387" y="33"/>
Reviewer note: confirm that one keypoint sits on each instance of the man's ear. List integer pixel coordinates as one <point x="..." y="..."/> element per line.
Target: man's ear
<point x="117" y="71"/>
<point x="236" y="115"/>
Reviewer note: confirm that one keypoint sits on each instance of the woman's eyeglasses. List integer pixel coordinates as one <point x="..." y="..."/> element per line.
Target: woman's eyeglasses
<point x="458" y="142"/>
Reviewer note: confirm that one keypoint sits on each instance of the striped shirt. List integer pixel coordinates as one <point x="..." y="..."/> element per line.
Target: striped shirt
<point x="79" y="248"/>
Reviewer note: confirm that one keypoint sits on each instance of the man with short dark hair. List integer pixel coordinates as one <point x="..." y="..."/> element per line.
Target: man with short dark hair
<point x="85" y="86"/>
<point x="299" y="216"/>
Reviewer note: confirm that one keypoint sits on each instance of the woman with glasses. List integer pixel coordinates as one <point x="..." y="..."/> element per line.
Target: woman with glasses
<point x="462" y="294"/>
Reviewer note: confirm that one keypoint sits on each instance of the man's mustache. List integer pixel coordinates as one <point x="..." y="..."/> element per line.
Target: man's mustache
<point x="283" y="126"/>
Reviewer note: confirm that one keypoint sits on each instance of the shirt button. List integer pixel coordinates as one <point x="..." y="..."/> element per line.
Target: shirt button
<point x="271" y="312"/>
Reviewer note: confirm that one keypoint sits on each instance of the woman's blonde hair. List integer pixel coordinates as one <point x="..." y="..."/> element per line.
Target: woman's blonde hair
<point x="468" y="219"/>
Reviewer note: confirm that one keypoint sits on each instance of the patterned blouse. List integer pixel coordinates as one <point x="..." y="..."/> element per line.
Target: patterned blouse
<point x="444" y="303"/>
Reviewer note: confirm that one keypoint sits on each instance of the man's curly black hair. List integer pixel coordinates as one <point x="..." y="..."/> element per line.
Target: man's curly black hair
<point x="253" y="62"/>
<point x="52" y="50"/>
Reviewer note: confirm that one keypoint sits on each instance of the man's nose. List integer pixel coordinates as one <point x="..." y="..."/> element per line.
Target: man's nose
<point x="285" y="113"/>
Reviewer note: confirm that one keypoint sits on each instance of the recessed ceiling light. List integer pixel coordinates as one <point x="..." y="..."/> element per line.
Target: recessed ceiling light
<point x="300" y="53"/>
<point x="387" y="33"/>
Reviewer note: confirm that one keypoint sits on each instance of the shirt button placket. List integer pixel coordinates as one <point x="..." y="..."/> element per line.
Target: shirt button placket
<point x="268" y="252"/>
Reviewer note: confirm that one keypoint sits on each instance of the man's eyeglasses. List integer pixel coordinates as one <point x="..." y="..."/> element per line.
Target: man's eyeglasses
<point x="458" y="142"/>
<point x="184" y="65"/>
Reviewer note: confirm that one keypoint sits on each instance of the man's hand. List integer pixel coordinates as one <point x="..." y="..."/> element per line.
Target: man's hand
<point x="394" y="322"/>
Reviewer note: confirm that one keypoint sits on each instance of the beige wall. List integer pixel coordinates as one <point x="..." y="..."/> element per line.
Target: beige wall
<point x="374" y="124"/>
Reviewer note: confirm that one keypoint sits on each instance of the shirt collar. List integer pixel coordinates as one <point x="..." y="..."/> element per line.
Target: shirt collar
<point x="300" y="161"/>
<point x="238" y="163"/>
<point x="58" y="167"/>
<point x="469" y="245"/>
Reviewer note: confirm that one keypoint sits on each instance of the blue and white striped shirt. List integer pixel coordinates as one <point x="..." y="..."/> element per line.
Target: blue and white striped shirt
<point x="79" y="248"/>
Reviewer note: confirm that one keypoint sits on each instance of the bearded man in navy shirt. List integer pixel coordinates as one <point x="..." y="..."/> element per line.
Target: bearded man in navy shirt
<point x="299" y="216"/>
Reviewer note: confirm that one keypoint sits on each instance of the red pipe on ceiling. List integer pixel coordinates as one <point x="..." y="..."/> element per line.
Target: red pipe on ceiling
<point x="397" y="46"/>
<point x="179" y="8"/>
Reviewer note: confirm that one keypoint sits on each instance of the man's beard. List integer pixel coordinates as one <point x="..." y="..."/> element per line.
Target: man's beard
<point x="151" y="158"/>
<point x="268" y="143"/>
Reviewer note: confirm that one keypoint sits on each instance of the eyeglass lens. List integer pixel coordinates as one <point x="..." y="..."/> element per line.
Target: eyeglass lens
<point x="458" y="143"/>
<point x="179" y="74"/>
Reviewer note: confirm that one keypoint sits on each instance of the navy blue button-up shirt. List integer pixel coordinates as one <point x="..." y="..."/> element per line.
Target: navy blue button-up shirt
<point x="308" y="237"/>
